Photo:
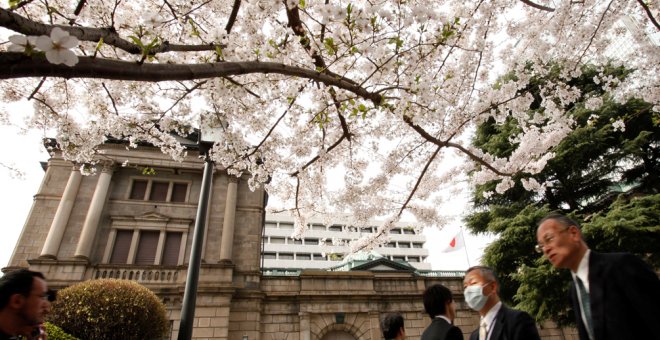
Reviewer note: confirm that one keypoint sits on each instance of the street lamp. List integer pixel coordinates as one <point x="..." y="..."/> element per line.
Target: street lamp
<point x="210" y="131"/>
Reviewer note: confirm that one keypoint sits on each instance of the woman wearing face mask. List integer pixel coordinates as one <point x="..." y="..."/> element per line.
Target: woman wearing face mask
<point x="498" y="322"/>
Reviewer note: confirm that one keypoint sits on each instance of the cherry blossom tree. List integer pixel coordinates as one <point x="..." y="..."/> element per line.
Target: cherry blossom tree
<point x="380" y="92"/>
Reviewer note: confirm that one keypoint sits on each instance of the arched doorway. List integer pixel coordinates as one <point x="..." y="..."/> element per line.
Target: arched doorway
<point x="338" y="335"/>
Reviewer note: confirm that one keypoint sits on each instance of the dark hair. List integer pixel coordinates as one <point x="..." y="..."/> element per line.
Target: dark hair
<point x="562" y="219"/>
<point x="391" y="324"/>
<point x="435" y="299"/>
<point x="17" y="282"/>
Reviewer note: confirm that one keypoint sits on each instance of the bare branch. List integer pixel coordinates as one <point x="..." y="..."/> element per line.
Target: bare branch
<point x="79" y="7"/>
<point x="441" y="143"/>
<point x="648" y="13"/>
<point x="112" y="99"/>
<point x="233" y="15"/>
<point x="16" y="65"/>
<point x="537" y="6"/>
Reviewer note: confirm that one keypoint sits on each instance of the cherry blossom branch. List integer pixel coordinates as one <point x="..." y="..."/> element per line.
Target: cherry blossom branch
<point x="648" y="13"/>
<point x="16" y="65"/>
<point x="591" y="40"/>
<point x="21" y="24"/>
<point x="233" y="15"/>
<point x="537" y="6"/>
<point x="408" y="120"/>
<point x="79" y="7"/>
<point x="112" y="99"/>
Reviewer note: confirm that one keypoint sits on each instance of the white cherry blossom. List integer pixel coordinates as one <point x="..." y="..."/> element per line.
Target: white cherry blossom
<point x="57" y="47"/>
<point x="21" y="43"/>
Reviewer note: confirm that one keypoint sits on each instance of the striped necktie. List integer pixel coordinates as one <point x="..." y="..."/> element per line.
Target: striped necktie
<point x="586" y="306"/>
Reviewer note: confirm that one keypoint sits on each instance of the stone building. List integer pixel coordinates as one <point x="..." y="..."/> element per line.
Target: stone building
<point x="134" y="218"/>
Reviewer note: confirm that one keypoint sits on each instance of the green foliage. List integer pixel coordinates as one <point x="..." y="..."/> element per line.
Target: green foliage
<point x="109" y="309"/>
<point x="56" y="333"/>
<point x="592" y="166"/>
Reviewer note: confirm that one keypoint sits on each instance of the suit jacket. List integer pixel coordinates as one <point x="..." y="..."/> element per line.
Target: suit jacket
<point x="624" y="294"/>
<point x="511" y="324"/>
<point x="440" y="329"/>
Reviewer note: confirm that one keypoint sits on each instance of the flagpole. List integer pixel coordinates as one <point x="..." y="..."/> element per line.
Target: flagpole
<point x="465" y="247"/>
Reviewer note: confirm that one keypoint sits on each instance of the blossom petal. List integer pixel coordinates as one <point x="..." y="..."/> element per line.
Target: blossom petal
<point x="54" y="57"/>
<point x="44" y="43"/>
<point x="57" y="34"/>
<point x="18" y="39"/>
<point x="69" y="42"/>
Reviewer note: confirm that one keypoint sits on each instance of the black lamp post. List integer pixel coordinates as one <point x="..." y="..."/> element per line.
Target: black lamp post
<point x="210" y="132"/>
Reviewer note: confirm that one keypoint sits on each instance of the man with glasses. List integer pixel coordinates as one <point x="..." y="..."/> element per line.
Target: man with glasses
<point x="614" y="295"/>
<point x="497" y="322"/>
<point x="24" y="302"/>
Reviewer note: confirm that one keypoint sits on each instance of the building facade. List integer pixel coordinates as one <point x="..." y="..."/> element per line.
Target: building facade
<point x="135" y="222"/>
<point x="325" y="244"/>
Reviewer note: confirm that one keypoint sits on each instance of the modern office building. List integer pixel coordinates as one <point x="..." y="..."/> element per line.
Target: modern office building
<point x="326" y="245"/>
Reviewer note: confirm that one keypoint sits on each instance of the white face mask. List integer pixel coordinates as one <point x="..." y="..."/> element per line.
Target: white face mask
<point x="474" y="296"/>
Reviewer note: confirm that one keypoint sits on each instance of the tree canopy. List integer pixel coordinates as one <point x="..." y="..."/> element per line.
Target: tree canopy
<point x="380" y="92"/>
<point x="604" y="174"/>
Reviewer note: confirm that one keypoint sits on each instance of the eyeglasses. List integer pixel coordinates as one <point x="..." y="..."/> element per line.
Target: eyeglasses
<point x="547" y="239"/>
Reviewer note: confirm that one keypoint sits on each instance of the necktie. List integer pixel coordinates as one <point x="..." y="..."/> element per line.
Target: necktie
<point x="483" y="330"/>
<point x="586" y="306"/>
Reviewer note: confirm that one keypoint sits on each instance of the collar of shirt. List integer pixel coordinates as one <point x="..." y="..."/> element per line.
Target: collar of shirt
<point x="443" y="317"/>
<point x="583" y="270"/>
<point x="490" y="315"/>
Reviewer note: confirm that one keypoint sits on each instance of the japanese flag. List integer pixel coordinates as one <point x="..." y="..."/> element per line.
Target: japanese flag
<point x="455" y="243"/>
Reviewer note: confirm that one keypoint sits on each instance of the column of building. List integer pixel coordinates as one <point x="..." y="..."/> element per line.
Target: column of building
<point x="226" y="245"/>
<point x="90" y="226"/>
<point x="58" y="226"/>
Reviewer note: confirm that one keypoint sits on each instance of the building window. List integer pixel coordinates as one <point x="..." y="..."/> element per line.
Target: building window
<point x="303" y="257"/>
<point x="334" y="228"/>
<point x="122" y="246"/>
<point x="398" y="258"/>
<point x="295" y="241"/>
<point x="318" y="257"/>
<point x="413" y="259"/>
<point x="271" y="225"/>
<point x="311" y="241"/>
<point x="395" y="231"/>
<point x="171" y="249"/>
<point x="417" y="245"/>
<point x="286" y="225"/>
<point x="146" y="251"/>
<point x="318" y="227"/>
<point x="390" y="245"/>
<point x="409" y="231"/>
<point x="277" y="240"/>
<point x="286" y="256"/>
<point x="158" y="190"/>
<point x="270" y="256"/>
<point x="404" y="245"/>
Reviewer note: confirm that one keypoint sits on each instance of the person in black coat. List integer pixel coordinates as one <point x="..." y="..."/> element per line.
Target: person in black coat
<point x="497" y="322"/>
<point x="614" y="295"/>
<point x="440" y="306"/>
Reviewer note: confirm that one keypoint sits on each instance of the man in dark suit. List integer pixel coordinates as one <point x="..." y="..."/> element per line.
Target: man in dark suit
<point x="614" y="296"/>
<point x="440" y="306"/>
<point x="497" y="322"/>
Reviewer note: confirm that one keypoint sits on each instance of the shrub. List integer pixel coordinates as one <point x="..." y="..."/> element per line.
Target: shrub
<point x="109" y="309"/>
<point x="56" y="333"/>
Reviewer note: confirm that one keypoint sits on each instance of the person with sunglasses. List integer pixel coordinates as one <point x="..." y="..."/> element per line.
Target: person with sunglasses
<point x="24" y="302"/>
<point x="614" y="295"/>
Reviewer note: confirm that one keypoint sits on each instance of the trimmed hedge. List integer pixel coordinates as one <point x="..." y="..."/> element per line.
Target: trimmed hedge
<point x="109" y="309"/>
<point x="56" y="333"/>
